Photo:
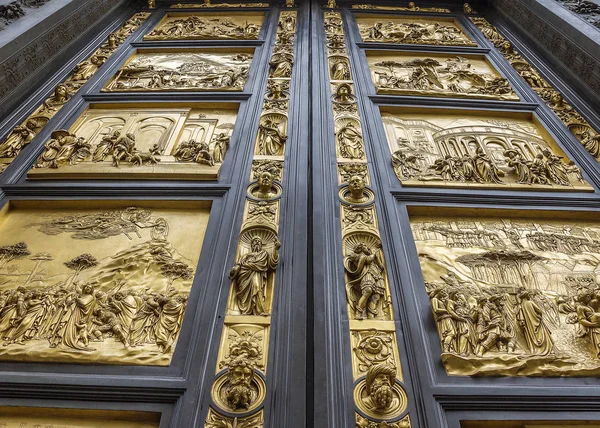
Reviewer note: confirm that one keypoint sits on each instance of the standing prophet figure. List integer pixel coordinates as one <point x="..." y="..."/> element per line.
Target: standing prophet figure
<point x="537" y="334"/>
<point x="250" y="276"/>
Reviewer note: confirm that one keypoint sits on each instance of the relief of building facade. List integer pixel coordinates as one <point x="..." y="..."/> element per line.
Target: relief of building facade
<point x="513" y="295"/>
<point x="456" y="149"/>
<point x="437" y="75"/>
<point x="149" y="143"/>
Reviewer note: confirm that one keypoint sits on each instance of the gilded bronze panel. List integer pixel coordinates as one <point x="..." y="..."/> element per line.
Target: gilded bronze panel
<point x="411" y="7"/>
<point x="412" y="30"/>
<point x="135" y="142"/>
<point x="470" y="149"/>
<point x="23" y="417"/>
<point x="437" y="75"/>
<point x="205" y="26"/>
<point x="512" y="292"/>
<point x="96" y="281"/>
<point x="174" y="70"/>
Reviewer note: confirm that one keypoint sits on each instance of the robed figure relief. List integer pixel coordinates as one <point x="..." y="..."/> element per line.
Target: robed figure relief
<point x="250" y="277"/>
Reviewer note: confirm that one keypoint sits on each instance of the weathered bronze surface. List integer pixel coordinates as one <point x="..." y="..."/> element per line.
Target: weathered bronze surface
<point x="205" y="26"/>
<point x="467" y="149"/>
<point x="24" y="417"/>
<point x="408" y="30"/>
<point x="438" y="75"/>
<point x="129" y="142"/>
<point x="513" y="293"/>
<point x="205" y="70"/>
<point x="22" y="134"/>
<point x="96" y="282"/>
<point x="581" y="129"/>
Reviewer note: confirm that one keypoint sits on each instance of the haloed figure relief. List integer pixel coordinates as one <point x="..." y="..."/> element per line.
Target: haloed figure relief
<point x="437" y="75"/>
<point x="128" y="142"/>
<point x="457" y="149"/>
<point x="99" y="282"/>
<point x="513" y="295"/>
<point x="412" y="31"/>
<point x="234" y="26"/>
<point x="207" y="70"/>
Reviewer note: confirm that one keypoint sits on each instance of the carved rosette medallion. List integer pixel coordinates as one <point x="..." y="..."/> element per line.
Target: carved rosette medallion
<point x="379" y="397"/>
<point x="585" y="133"/>
<point x="240" y="387"/>
<point x="24" y="133"/>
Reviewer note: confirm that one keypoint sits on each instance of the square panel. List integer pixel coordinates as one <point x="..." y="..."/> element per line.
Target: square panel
<point x="412" y="30"/>
<point x="512" y="292"/>
<point x="437" y="75"/>
<point x="207" y="26"/>
<point x="471" y="149"/>
<point x="103" y="282"/>
<point x="132" y="141"/>
<point x="37" y="417"/>
<point x="183" y="70"/>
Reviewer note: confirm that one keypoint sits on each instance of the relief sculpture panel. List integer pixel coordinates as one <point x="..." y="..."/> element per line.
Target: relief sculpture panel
<point x="233" y="26"/>
<point x="96" y="282"/>
<point x="513" y="293"/>
<point x="206" y="70"/>
<point x="184" y="143"/>
<point x="461" y="149"/>
<point x="437" y="75"/>
<point x="420" y="31"/>
<point x="44" y="417"/>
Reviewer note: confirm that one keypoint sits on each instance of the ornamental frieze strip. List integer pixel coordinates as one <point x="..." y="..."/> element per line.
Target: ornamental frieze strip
<point x="379" y="395"/>
<point x="239" y="390"/>
<point x="22" y="134"/>
<point x="585" y="133"/>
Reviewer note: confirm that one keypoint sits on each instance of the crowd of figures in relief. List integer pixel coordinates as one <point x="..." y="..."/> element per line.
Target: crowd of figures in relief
<point x="476" y="151"/>
<point x="15" y="10"/>
<point x="24" y="133"/>
<point x="423" y="32"/>
<point x="118" y="294"/>
<point x="182" y="72"/>
<point x="438" y="76"/>
<point x="513" y="296"/>
<point x="196" y="27"/>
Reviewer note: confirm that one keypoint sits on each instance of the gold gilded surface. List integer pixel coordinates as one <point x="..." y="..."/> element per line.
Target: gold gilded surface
<point x="184" y="143"/>
<point x="22" y="134"/>
<point x="438" y="75"/>
<point x="197" y="26"/>
<point x="96" y="281"/>
<point x="24" y="417"/>
<point x="513" y="293"/>
<point x="205" y="70"/>
<point x="208" y="4"/>
<point x="461" y="149"/>
<point x="529" y="424"/>
<point x="216" y="420"/>
<point x="411" y="7"/>
<point x="409" y="30"/>
<point x="581" y="129"/>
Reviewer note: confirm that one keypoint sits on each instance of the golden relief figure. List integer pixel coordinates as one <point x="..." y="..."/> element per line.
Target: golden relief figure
<point x="581" y="129"/>
<point x="207" y="70"/>
<point x="38" y="417"/>
<point x="207" y="4"/>
<point x="234" y="26"/>
<point x="99" y="282"/>
<point x="147" y="143"/>
<point x="513" y="295"/>
<point x="420" y="31"/>
<point x="437" y="75"/>
<point x="458" y="149"/>
<point x="22" y="134"/>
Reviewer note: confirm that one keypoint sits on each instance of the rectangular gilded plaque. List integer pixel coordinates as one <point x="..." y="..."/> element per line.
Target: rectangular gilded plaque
<point x="437" y="75"/>
<point x="512" y="292"/>
<point x="103" y="282"/>
<point x="45" y="417"/>
<point x="412" y="30"/>
<point x="461" y="148"/>
<point x="177" y="70"/>
<point x="128" y="141"/>
<point x="207" y="26"/>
